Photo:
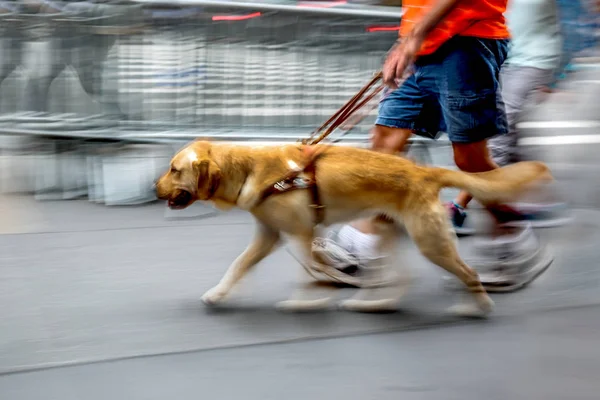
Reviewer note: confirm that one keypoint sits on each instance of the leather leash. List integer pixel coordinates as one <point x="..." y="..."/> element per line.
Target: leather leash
<point x="293" y="180"/>
<point x="358" y="101"/>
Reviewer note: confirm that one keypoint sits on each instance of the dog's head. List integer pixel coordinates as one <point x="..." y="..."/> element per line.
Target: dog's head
<point x="193" y="175"/>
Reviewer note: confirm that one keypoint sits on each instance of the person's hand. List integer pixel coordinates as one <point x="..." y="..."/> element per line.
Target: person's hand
<point x="399" y="59"/>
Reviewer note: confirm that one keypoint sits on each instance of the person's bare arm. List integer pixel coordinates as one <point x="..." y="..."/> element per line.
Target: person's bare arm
<point x="403" y="55"/>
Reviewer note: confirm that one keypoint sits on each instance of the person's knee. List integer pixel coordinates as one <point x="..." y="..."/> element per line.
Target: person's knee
<point x="474" y="164"/>
<point x="473" y="157"/>
<point x="379" y="138"/>
<point x="389" y="140"/>
<point x="462" y="161"/>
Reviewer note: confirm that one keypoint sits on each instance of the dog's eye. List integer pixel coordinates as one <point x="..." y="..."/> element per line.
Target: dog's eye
<point x="174" y="170"/>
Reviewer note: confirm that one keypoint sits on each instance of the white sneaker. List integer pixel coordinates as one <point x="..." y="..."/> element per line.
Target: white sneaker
<point x="339" y="260"/>
<point x="510" y="262"/>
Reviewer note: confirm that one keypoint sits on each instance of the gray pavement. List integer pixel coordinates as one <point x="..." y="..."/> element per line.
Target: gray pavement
<point x="90" y="283"/>
<point x="550" y="355"/>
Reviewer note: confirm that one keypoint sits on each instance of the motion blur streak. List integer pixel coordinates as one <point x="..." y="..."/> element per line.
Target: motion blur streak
<point x="235" y="17"/>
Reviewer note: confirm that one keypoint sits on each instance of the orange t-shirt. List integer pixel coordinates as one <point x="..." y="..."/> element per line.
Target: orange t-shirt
<point x="479" y="18"/>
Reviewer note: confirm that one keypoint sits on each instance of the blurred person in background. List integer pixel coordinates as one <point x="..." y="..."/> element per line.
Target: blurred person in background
<point x="533" y="59"/>
<point x="84" y="43"/>
<point x="11" y="38"/>
<point x="453" y="51"/>
<point x="571" y="14"/>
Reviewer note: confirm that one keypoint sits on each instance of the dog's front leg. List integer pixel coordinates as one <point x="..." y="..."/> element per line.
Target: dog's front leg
<point x="310" y="295"/>
<point x="263" y="244"/>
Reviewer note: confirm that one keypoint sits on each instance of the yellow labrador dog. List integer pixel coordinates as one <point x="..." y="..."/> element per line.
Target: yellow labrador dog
<point x="351" y="183"/>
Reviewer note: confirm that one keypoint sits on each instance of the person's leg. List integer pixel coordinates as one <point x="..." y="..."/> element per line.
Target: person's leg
<point x="401" y="111"/>
<point x="457" y="208"/>
<point x="570" y="12"/>
<point x="474" y="111"/>
<point x="10" y="56"/>
<point x="519" y="88"/>
<point x="471" y="111"/>
<point x="11" y="40"/>
<point x="92" y="56"/>
<point x="520" y="85"/>
<point x="473" y="157"/>
<point x="517" y="85"/>
<point x="37" y="88"/>
<point x="389" y="140"/>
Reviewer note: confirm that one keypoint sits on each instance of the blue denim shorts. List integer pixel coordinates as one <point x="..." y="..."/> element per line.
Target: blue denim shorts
<point x="454" y="90"/>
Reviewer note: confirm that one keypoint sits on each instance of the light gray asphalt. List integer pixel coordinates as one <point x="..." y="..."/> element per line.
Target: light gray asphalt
<point x="97" y="283"/>
<point x="550" y="355"/>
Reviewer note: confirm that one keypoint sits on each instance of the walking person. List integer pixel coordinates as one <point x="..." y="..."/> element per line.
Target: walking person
<point x="444" y="75"/>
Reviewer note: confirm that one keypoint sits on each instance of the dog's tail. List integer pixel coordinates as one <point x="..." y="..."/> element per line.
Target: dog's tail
<point x="497" y="186"/>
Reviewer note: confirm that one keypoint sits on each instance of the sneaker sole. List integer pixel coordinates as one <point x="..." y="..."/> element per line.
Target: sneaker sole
<point x="529" y="277"/>
<point x="461" y="232"/>
<point x="453" y="284"/>
<point x="542" y="223"/>
<point x="327" y="274"/>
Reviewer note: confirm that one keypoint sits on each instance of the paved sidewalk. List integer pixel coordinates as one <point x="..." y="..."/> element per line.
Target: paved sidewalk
<point x="97" y="283"/>
<point x="549" y="355"/>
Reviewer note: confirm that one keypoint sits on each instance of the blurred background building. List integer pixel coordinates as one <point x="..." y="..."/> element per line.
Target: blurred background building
<point x="95" y="96"/>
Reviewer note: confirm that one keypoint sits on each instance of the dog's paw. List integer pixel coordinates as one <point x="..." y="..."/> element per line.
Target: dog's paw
<point x="304" y="305"/>
<point x="383" y="299"/>
<point x="472" y="310"/>
<point x="486" y="304"/>
<point x="214" y="296"/>
<point x="370" y="306"/>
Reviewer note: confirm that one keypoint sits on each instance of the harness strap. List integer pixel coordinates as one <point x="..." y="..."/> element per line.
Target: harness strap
<point x="292" y="181"/>
<point x="319" y="209"/>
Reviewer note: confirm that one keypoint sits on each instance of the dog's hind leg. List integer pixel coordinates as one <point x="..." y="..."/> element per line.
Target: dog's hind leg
<point x="310" y="295"/>
<point x="430" y="229"/>
<point x="263" y="244"/>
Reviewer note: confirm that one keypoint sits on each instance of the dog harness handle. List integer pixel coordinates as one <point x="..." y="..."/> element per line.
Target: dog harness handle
<point x="293" y="180"/>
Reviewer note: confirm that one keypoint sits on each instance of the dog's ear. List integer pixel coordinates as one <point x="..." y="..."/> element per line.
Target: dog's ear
<point x="209" y="178"/>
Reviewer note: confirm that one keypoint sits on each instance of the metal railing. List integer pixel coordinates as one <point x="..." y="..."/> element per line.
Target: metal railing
<point x="146" y="70"/>
<point x="151" y="70"/>
<point x="85" y="87"/>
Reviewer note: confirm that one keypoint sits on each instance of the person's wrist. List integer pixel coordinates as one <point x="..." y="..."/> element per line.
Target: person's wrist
<point x="418" y="32"/>
<point x="396" y="45"/>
